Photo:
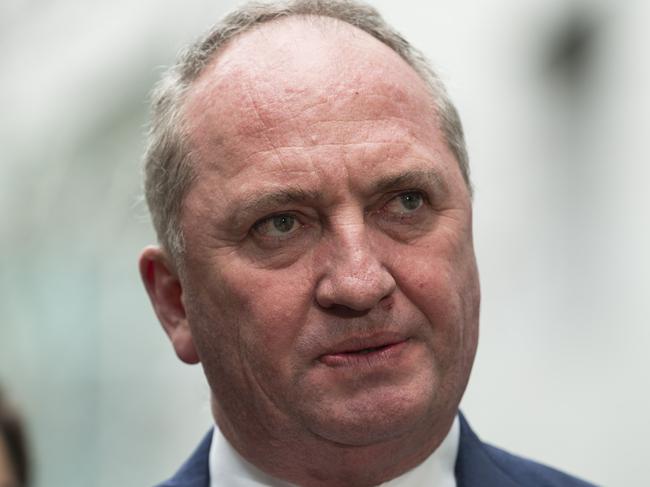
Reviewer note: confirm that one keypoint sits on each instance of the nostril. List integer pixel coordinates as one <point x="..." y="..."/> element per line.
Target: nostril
<point x="387" y="303"/>
<point x="343" y="311"/>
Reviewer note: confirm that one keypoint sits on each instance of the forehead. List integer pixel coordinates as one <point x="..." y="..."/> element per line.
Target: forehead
<point x="303" y="80"/>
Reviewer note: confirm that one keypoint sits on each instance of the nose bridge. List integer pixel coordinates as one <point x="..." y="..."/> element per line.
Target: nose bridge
<point x="354" y="251"/>
<point x="354" y="273"/>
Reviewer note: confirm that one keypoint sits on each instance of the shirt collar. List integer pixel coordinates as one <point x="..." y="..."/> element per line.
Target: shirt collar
<point x="229" y="468"/>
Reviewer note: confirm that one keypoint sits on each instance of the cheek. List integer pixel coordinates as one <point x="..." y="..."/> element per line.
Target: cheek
<point x="431" y="281"/>
<point x="438" y="296"/>
<point x="445" y="289"/>
<point x="271" y="308"/>
<point x="245" y="322"/>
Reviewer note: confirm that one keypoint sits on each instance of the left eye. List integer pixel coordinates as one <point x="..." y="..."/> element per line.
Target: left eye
<point x="281" y="225"/>
<point x="406" y="202"/>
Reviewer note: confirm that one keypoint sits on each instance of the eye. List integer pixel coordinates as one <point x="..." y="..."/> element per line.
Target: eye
<point x="405" y="203"/>
<point x="277" y="226"/>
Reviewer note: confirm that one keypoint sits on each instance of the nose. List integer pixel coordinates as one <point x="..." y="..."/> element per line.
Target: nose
<point x="354" y="276"/>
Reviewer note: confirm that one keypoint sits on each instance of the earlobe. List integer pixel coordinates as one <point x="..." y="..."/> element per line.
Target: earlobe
<point x="166" y="294"/>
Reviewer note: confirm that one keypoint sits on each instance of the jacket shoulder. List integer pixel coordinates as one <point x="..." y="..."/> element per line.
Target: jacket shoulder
<point x="482" y="465"/>
<point x="526" y="472"/>
<point x="195" y="471"/>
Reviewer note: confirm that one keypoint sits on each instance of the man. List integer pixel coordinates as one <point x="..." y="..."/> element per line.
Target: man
<point x="308" y="181"/>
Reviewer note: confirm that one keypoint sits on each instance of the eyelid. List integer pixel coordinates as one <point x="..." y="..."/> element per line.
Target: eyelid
<point x="390" y="212"/>
<point x="299" y="222"/>
<point x="394" y="195"/>
<point x="268" y="218"/>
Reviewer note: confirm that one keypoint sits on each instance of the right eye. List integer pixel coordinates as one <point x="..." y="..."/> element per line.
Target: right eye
<point x="278" y="226"/>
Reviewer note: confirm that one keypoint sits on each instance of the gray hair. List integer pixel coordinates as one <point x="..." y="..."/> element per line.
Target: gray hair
<point x="167" y="161"/>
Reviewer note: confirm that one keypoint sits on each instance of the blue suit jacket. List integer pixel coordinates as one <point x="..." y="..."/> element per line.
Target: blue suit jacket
<point x="477" y="465"/>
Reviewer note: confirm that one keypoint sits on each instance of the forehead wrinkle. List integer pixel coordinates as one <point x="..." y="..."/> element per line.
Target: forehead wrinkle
<point x="321" y="134"/>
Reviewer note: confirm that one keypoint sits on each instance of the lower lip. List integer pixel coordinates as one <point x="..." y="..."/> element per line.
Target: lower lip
<point x="380" y="356"/>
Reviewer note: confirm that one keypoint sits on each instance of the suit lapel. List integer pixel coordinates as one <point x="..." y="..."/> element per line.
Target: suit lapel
<point x="474" y="467"/>
<point x="195" y="472"/>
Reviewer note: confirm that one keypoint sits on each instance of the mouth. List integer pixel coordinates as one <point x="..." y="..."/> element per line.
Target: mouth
<point x="366" y="351"/>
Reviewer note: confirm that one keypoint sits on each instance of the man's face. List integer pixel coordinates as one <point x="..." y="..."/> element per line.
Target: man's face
<point x="329" y="280"/>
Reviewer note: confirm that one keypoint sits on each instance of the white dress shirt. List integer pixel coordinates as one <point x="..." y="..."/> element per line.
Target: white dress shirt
<point x="229" y="469"/>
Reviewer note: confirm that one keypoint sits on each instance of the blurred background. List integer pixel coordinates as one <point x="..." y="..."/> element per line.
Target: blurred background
<point x="554" y="97"/>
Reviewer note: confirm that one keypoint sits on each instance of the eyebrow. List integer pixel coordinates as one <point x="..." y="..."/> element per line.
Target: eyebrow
<point x="253" y="205"/>
<point x="256" y="204"/>
<point x="412" y="178"/>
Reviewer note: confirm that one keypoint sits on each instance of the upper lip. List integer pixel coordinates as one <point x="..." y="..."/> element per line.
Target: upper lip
<point x="358" y="343"/>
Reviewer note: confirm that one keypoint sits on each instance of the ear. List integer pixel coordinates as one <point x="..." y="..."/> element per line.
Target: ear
<point x="166" y="294"/>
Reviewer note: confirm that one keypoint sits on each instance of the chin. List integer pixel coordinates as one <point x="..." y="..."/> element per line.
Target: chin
<point x="375" y="417"/>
